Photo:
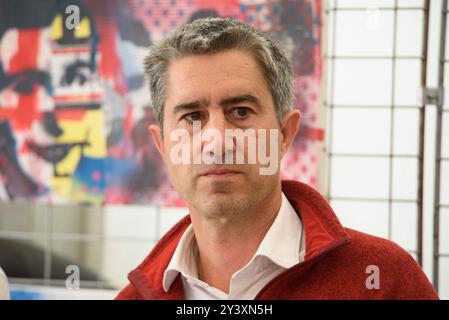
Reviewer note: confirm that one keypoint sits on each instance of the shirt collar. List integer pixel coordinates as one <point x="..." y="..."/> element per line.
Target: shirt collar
<point x="283" y="245"/>
<point x="183" y="260"/>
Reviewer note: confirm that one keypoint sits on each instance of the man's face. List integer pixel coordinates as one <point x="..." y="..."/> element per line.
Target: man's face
<point x="225" y="90"/>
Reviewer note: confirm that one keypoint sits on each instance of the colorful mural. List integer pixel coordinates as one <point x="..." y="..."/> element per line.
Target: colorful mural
<point x="74" y="106"/>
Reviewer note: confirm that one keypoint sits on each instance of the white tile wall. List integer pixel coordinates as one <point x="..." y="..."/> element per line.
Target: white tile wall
<point x="406" y="131"/>
<point x="356" y="130"/>
<point x="364" y="216"/>
<point x="362" y="82"/>
<point x="130" y="233"/>
<point x="355" y="36"/>
<point x="132" y="222"/>
<point x="359" y="177"/>
<point x="404" y="224"/>
<point x="120" y="257"/>
<point x="444" y="279"/>
<point x="405" y="178"/>
<point x="169" y="216"/>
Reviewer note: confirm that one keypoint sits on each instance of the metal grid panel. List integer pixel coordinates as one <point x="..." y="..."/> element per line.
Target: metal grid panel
<point x="388" y="106"/>
<point x="441" y="201"/>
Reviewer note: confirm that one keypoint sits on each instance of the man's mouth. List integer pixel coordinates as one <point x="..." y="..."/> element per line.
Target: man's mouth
<point x="219" y="173"/>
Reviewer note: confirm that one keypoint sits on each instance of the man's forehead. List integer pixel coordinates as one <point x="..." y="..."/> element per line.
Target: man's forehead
<point x="230" y="63"/>
<point x="199" y="80"/>
<point x="218" y="79"/>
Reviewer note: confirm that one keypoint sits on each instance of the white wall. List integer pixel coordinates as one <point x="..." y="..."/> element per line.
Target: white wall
<point x="363" y="130"/>
<point x="130" y="232"/>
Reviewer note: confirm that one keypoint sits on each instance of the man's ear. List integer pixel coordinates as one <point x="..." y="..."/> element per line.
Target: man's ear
<point x="290" y="126"/>
<point x="155" y="131"/>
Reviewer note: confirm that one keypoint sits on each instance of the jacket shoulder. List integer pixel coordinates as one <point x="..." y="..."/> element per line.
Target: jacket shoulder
<point x="368" y="248"/>
<point x="127" y="293"/>
<point x="378" y="245"/>
<point x="399" y="270"/>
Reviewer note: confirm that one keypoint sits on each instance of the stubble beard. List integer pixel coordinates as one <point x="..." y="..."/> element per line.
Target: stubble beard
<point x="223" y="200"/>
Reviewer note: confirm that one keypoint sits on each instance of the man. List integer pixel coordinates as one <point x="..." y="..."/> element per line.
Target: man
<point x="249" y="235"/>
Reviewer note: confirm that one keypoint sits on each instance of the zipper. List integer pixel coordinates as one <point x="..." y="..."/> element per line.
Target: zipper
<point x="335" y="245"/>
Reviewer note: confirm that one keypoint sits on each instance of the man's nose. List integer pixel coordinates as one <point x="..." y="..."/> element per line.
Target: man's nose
<point x="217" y="123"/>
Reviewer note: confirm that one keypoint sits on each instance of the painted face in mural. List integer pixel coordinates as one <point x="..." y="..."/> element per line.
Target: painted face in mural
<point x="42" y="69"/>
<point x="212" y="80"/>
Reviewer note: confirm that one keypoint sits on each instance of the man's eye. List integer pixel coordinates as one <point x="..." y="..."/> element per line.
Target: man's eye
<point x="193" y="116"/>
<point x="240" y="112"/>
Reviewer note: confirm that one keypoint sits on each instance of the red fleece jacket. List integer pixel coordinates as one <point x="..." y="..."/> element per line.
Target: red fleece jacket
<point x="335" y="264"/>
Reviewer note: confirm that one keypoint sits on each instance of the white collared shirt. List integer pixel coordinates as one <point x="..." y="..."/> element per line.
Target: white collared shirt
<point x="282" y="247"/>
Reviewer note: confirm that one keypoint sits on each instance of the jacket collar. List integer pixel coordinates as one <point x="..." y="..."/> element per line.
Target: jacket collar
<point x="322" y="229"/>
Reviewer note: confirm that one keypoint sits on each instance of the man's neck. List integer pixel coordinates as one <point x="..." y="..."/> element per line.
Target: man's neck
<point x="227" y="245"/>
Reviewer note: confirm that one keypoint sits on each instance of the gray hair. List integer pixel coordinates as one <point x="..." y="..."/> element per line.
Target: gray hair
<point x="211" y="35"/>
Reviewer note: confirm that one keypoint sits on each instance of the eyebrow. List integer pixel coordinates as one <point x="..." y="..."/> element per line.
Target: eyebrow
<point x="188" y="106"/>
<point x="239" y="99"/>
<point x="225" y="102"/>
